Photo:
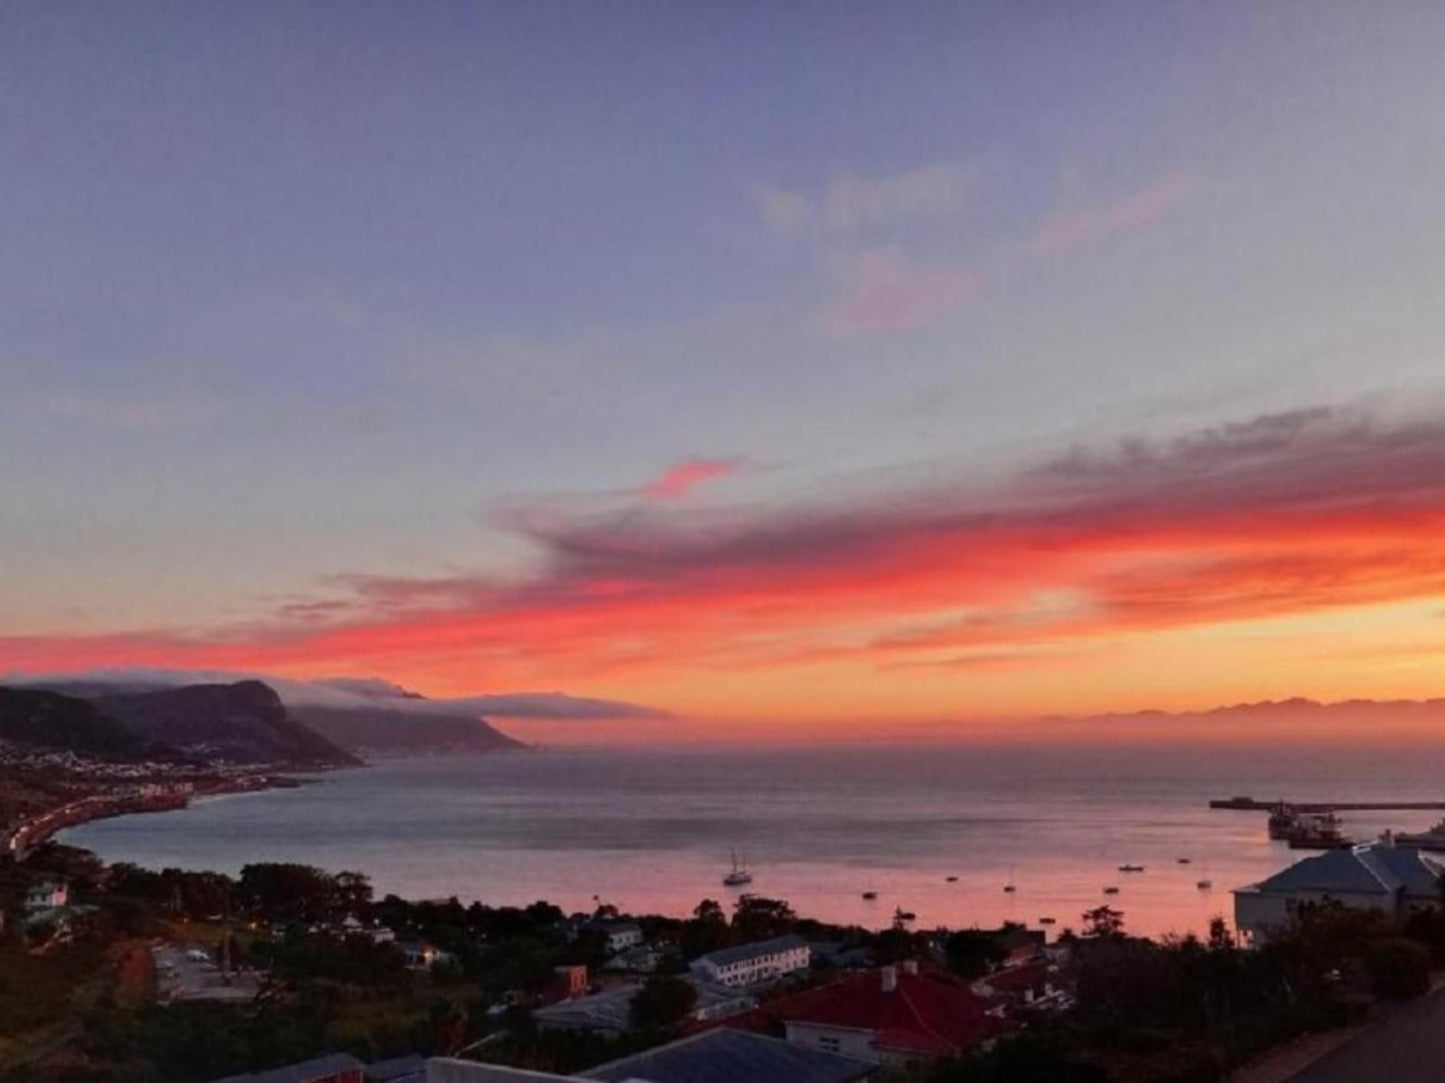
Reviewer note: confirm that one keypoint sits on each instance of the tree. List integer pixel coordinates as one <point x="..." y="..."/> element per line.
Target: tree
<point x="972" y="953"/>
<point x="662" y="1002"/>
<point x="757" y="918"/>
<point x="1104" y="922"/>
<point x="1399" y="968"/>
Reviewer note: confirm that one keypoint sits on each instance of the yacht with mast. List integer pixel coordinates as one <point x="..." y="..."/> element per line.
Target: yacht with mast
<point x="739" y="876"/>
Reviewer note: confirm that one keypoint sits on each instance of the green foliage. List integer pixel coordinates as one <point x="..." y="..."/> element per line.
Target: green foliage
<point x="1103" y="921"/>
<point x="662" y="1002"/>
<point x="281" y="892"/>
<point x="1041" y="1056"/>
<point x="757" y="918"/>
<point x="972" y="953"/>
<point x="1399" y="968"/>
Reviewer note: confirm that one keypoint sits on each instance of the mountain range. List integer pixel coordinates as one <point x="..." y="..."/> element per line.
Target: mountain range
<point x="243" y="722"/>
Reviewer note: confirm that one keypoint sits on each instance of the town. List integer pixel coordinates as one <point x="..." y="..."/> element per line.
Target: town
<point x="288" y="972"/>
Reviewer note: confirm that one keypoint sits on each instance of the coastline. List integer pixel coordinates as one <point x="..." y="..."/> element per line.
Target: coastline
<point x="166" y="796"/>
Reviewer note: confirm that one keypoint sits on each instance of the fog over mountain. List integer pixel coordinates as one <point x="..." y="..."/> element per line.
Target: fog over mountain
<point x="353" y="693"/>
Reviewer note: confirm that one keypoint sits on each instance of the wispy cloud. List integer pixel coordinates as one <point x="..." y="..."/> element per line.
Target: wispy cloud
<point x="678" y="480"/>
<point x="351" y="693"/>
<point x="851" y="204"/>
<point x="882" y="294"/>
<point x="157" y="413"/>
<point x="1068" y="230"/>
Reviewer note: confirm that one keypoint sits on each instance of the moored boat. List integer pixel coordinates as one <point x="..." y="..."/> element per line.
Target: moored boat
<point x="739" y="875"/>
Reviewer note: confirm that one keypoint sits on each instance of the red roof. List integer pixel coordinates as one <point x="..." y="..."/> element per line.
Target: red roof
<point x="927" y="1013"/>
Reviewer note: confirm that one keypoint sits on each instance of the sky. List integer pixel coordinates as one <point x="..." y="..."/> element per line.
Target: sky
<point x="795" y="367"/>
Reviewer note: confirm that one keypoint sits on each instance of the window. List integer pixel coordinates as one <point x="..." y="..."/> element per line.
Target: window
<point x="829" y="1045"/>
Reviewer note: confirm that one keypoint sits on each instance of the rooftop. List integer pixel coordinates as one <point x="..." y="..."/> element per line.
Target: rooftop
<point x="744" y="952"/>
<point x="302" y="1072"/>
<point x="1370" y="869"/>
<point x="611" y="1009"/>
<point x="927" y="1013"/>
<point x="732" y="1056"/>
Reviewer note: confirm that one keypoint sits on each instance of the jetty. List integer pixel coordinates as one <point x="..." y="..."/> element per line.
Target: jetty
<point x="1250" y="804"/>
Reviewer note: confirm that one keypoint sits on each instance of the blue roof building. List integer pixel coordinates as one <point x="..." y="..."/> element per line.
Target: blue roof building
<point x="1393" y="880"/>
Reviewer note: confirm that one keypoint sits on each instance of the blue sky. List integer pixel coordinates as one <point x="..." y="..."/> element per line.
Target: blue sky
<point x="297" y="293"/>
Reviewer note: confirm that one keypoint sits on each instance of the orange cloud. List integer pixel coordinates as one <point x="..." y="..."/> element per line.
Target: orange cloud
<point x="1280" y="516"/>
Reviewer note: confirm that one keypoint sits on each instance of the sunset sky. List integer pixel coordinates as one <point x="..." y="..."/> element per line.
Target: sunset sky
<point x="807" y="366"/>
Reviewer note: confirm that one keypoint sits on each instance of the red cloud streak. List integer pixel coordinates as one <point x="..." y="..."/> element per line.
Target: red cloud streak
<point x="1283" y="515"/>
<point x="677" y="481"/>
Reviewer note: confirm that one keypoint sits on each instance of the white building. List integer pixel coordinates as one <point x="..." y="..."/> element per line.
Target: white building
<point x="749" y="964"/>
<point x="46" y="895"/>
<point x="1395" y="880"/>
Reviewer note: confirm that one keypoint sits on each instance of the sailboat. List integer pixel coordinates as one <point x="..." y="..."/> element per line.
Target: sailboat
<point x="1009" y="887"/>
<point x="739" y="876"/>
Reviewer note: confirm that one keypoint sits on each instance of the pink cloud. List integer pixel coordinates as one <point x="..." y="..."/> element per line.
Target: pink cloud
<point x="680" y="479"/>
<point x="1065" y="232"/>
<point x="887" y="296"/>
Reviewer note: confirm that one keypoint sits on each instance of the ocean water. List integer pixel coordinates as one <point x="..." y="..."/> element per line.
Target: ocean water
<point x="652" y="831"/>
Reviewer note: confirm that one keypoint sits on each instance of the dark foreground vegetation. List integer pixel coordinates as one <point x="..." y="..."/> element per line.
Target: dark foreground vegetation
<point x="336" y="969"/>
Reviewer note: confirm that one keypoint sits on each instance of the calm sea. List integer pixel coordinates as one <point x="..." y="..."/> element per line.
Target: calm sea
<point x="652" y="831"/>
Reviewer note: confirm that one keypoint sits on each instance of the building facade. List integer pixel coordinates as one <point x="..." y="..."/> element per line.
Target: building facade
<point x="750" y="964"/>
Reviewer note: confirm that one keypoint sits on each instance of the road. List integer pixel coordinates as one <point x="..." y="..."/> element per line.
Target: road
<point x="180" y="978"/>
<point x="1407" y="1045"/>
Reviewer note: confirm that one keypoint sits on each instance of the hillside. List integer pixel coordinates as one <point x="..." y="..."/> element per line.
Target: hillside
<point x="244" y="722"/>
<point x="380" y="731"/>
<point x="39" y="719"/>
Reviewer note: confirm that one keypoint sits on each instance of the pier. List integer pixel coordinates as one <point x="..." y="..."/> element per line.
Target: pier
<point x="1250" y="804"/>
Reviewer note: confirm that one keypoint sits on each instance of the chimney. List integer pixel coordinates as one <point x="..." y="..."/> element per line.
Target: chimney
<point x="890" y="978"/>
<point x="910" y="966"/>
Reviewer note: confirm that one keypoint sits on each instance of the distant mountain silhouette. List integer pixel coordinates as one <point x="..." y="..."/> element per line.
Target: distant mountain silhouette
<point x="242" y="722"/>
<point x="39" y="719"/>
<point x="385" y="731"/>
<point x="1295" y="710"/>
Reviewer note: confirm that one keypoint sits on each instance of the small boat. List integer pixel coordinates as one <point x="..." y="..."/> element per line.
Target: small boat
<point x="1009" y="888"/>
<point x="1046" y="921"/>
<point x="951" y="879"/>
<point x="1131" y="868"/>
<point x="904" y="915"/>
<point x="738" y="876"/>
<point x="1204" y="885"/>
<point x="870" y="895"/>
<point x="1182" y="860"/>
<point x="1111" y="890"/>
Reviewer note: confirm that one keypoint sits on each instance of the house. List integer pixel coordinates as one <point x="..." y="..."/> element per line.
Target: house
<point x="46" y="895"/>
<point x="420" y="955"/>
<point x="407" y="1069"/>
<point x="715" y="1056"/>
<point x="1395" y="880"/>
<point x="568" y="983"/>
<point x="642" y="959"/>
<point x="896" y="1016"/>
<point x="617" y="935"/>
<point x="837" y="954"/>
<point x="447" y="1070"/>
<point x="749" y="964"/>
<point x="609" y="1013"/>
<point x="1033" y="986"/>
<point x="336" y="1068"/>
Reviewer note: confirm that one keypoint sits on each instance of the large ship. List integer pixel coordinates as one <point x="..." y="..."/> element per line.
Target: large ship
<point x="1433" y="839"/>
<point x="1282" y="820"/>
<point x="1317" y="831"/>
